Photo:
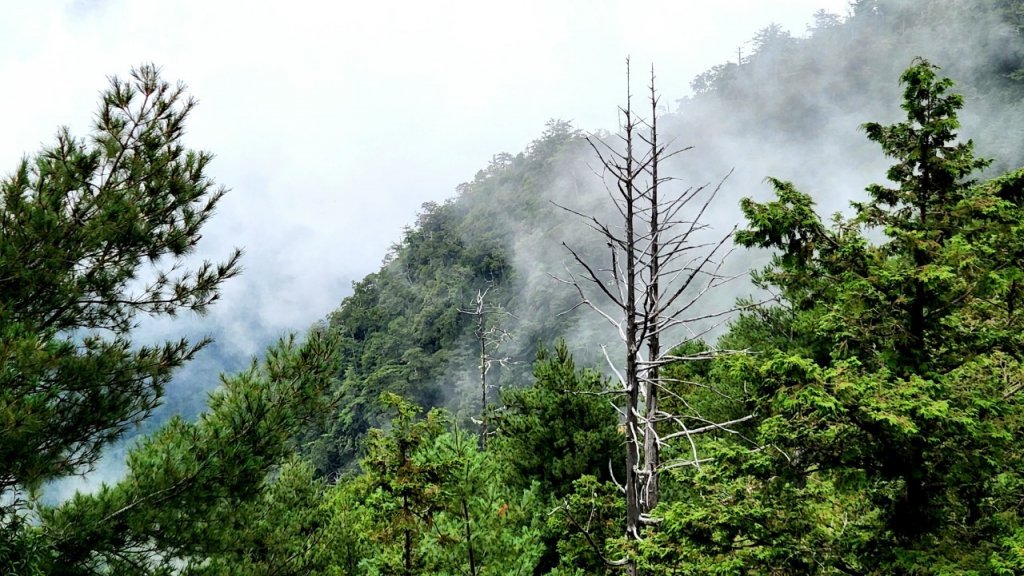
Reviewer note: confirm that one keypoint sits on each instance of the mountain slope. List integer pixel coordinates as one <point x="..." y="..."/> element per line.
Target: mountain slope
<point x="791" y="109"/>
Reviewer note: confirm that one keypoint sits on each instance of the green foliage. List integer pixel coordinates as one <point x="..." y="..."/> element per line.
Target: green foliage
<point x="402" y="330"/>
<point x="93" y="232"/>
<point x="403" y="488"/>
<point x="198" y="495"/>
<point x="555" y="431"/>
<point x="398" y="331"/>
<point x="274" y="532"/>
<point x="701" y="390"/>
<point x="348" y="534"/>
<point x="429" y="501"/>
<point x="560" y="428"/>
<point x="586" y="522"/>
<point x="24" y="550"/>
<point x="486" y="527"/>
<point x="885" y="383"/>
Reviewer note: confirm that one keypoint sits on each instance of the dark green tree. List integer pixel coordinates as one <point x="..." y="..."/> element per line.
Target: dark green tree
<point x="403" y="488"/>
<point x="430" y="501"/>
<point x="95" y="232"/>
<point x="884" y="386"/>
<point x="486" y="526"/>
<point x="925" y="209"/>
<point x="558" y="429"/>
<point x="218" y="496"/>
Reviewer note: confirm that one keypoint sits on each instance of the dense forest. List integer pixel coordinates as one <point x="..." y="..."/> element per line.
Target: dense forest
<point x="771" y="328"/>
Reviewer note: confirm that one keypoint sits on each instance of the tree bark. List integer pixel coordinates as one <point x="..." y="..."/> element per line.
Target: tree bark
<point x="652" y="459"/>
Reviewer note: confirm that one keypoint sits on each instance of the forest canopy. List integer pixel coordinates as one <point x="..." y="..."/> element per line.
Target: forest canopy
<point x="840" y="395"/>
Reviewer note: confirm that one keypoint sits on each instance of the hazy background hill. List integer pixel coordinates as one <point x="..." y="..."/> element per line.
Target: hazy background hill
<point x="869" y="430"/>
<point x="789" y="105"/>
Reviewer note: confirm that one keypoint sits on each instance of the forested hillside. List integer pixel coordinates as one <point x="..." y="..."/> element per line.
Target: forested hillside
<point x="409" y="328"/>
<point x="794" y="348"/>
<point x="792" y="108"/>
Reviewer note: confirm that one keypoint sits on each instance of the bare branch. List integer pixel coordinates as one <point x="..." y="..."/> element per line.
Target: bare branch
<point x="663" y="266"/>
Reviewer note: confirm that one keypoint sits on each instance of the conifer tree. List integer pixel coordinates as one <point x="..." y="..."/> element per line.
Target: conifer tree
<point x="884" y="386"/>
<point x="94" y="233"/>
<point x="920" y="214"/>
<point x="198" y="496"/>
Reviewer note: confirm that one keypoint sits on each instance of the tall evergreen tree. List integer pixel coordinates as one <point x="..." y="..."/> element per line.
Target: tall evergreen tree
<point x="920" y="215"/>
<point x="885" y="391"/>
<point x="94" y="232"/>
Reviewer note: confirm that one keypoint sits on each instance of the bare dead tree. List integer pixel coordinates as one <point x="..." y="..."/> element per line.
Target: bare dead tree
<point x="664" y="262"/>
<point x="489" y="336"/>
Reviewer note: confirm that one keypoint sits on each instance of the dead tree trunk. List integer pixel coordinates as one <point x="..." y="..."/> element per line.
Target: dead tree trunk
<point x="627" y="188"/>
<point x="669" y="264"/>
<point x="652" y="450"/>
<point x="489" y="337"/>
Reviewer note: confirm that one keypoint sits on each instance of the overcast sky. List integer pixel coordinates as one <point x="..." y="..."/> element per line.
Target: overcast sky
<point x="332" y="122"/>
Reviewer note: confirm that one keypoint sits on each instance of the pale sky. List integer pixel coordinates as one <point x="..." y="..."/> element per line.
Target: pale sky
<point x="332" y="122"/>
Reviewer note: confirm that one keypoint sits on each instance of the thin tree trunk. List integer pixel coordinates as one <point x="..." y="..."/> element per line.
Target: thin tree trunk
<point x="469" y="538"/>
<point x="651" y="448"/>
<point x="482" y="337"/>
<point x="627" y="186"/>
<point x="407" y="551"/>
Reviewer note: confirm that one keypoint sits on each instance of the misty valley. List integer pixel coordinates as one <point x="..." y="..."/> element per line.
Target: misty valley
<point x="774" y="327"/>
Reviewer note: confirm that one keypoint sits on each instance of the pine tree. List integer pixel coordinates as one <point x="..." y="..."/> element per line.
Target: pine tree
<point x="198" y="497"/>
<point x="94" y="233"/>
